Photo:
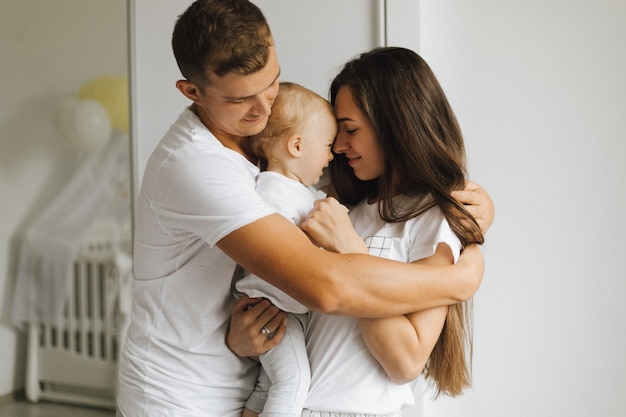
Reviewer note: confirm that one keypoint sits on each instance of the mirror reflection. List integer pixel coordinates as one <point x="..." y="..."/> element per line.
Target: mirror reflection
<point x="65" y="163"/>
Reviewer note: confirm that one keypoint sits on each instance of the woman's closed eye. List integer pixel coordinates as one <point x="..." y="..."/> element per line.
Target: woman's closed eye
<point x="349" y="131"/>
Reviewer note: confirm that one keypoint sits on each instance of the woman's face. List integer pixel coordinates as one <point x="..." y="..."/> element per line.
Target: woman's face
<point x="356" y="138"/>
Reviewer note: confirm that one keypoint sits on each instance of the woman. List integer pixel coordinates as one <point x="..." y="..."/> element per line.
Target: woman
<point x="399" y="158"/>
<point x="400" y="154"/>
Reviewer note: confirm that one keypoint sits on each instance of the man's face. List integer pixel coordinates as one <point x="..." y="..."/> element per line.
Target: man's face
<point x="239" y="105"/>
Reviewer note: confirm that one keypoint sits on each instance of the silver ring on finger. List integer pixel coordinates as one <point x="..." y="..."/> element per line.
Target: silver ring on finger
<point x="266" y="332"/>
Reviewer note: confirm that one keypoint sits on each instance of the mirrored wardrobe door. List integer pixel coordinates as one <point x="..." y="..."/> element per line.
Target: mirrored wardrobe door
<point x="64" y="170"/>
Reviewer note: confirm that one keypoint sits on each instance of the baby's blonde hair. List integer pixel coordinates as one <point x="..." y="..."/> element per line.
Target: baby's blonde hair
<point x="294" y="107"/>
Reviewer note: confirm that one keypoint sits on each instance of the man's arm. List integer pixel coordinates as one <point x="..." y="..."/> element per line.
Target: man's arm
<point x="347" y="284"/>
<point x="478" y="203"/>
<point x="246" y="344"/>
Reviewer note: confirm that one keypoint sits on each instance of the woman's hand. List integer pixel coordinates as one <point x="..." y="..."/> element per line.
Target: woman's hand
<point x="249" y="317"/>
<point x="329" y="227"/>
<point x="478" y="203"/>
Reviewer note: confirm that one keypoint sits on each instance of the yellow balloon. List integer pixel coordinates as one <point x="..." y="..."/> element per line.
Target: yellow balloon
<point x="112" y="93"/>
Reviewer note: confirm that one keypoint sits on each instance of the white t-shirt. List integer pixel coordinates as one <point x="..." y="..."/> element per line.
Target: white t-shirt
<point x="293" y="200"/>
<point x="175" y="360"/>
<point x="345" y="376"/>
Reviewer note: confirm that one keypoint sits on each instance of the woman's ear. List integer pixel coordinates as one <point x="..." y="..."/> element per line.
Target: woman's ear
<point x="189" y="90"/>
<point x="294" y="145"/>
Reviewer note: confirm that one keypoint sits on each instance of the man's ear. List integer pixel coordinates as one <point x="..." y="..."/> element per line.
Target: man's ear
<point x="189" y="90"/>
<point x="294" y="145"/>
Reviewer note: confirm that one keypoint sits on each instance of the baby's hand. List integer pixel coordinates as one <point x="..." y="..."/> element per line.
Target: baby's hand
<point x="329" y="227"/>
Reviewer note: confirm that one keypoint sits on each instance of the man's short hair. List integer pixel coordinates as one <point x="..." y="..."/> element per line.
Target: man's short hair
<point x="221" y="36"/>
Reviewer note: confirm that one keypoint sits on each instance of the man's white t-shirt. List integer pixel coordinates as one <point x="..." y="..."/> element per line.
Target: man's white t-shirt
<point x="345" y="376"/>
<point x="175" y="360"/>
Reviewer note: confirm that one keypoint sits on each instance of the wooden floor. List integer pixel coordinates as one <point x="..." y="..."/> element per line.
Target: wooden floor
<point x="23" y="408"/>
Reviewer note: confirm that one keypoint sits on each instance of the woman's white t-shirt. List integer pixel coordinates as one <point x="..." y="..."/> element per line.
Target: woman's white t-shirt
<point x="345" y="376"/>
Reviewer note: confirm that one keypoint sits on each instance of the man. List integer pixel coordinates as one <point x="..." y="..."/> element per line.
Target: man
<point x="198" y="216"/>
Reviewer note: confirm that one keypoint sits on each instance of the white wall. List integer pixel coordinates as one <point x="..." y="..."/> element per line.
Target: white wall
<point x="155" y="101"/>
<point x="48" y="49"/>
<point x="309" y="53"/>
<point x="540" y="90"/>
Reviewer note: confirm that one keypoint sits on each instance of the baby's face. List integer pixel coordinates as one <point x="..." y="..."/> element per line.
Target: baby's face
<point x="317" y="147"/>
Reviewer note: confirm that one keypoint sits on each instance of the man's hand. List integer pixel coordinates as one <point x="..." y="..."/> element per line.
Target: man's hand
<point x="472" y="264"/>
<point x="478" y="203"/>
<point x="256" y="326"/>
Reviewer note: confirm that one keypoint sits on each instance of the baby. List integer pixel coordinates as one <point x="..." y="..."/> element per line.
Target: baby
<point x="294" y="149"/>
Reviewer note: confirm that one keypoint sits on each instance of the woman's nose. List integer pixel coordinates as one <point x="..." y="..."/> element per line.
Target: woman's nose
<point x="340" y="145"/>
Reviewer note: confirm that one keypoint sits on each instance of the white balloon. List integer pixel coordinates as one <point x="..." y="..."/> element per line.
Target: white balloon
<point x="93" y="125"/>
<point x="85" y="124"/>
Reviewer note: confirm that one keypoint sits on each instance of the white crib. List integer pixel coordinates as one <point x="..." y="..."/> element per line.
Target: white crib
<point x="76" y="361"/>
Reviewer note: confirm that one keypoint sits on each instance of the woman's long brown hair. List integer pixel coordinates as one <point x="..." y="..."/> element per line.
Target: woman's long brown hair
<point x="425" y="158"/>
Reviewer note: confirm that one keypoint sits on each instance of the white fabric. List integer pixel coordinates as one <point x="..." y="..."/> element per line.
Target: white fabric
<point x="293" y="200"/>
<point x="96" y="200"/>
<point x="283" y="382"/>
<point x="345" y="376"/>
<point x="175" y="360"/>
<point x="286" y="365"/>
<point x="311" y="413"/>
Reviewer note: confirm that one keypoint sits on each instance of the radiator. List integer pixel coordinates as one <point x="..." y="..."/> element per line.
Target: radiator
<point x="76" y="360"/>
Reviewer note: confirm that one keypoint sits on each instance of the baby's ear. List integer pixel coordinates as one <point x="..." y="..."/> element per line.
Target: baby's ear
<point x="294" y="145"/>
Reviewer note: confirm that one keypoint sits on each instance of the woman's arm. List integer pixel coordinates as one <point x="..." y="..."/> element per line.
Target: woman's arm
<point x="403" y="344"/>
